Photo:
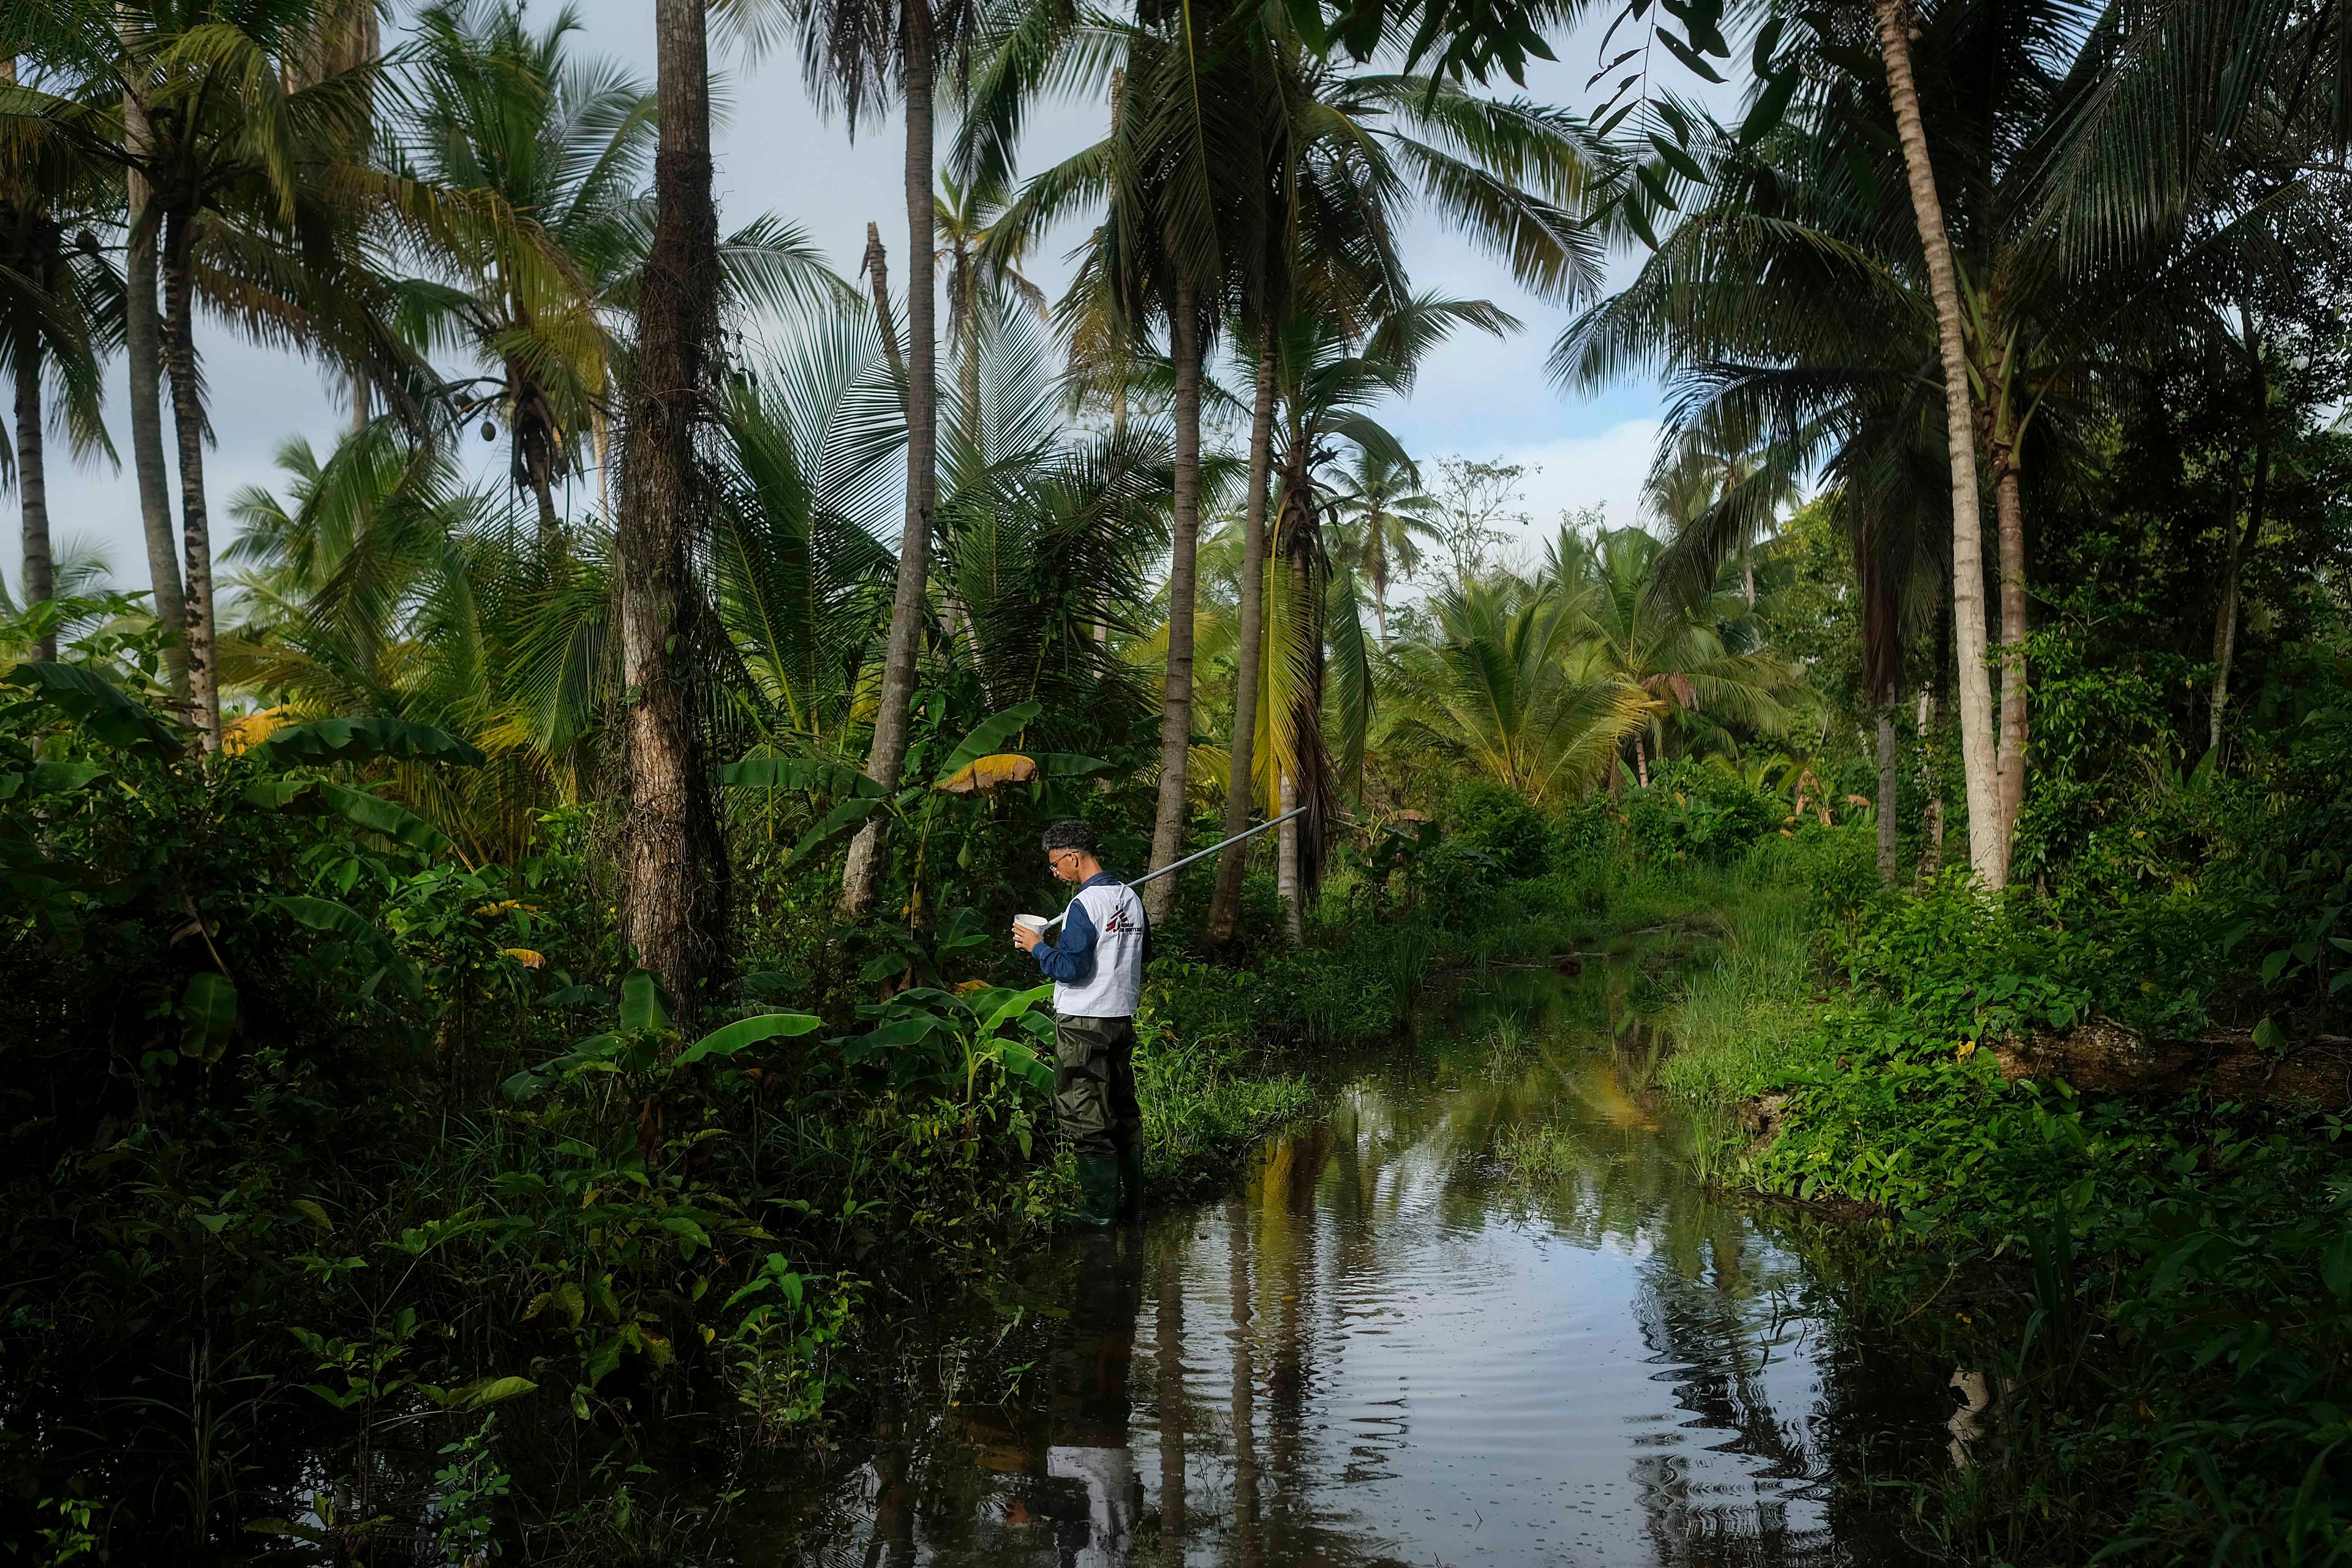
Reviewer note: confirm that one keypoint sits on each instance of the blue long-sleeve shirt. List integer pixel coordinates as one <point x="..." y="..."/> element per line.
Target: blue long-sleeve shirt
<point x="1073" y="960"/>
<point x="1070" y="958"/>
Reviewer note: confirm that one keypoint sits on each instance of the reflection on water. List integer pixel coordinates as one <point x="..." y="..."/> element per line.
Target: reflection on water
<point x="1382" y="1352"/>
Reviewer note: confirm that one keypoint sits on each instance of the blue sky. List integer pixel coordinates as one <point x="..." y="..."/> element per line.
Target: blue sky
<point x="1477" y="398"/>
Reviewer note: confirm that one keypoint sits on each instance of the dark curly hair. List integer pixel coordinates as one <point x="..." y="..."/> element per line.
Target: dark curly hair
<point x="1070" y="833"/>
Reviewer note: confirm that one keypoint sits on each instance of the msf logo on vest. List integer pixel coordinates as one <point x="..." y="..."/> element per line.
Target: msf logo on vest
<point x="1121" y="923"/>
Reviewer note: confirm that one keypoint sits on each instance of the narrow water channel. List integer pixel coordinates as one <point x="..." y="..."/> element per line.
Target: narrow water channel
<point x="1387" y="1347"/>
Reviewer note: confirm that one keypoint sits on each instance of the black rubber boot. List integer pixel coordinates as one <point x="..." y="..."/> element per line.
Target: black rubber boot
<point x="1131" y="1184"/>
<point x="1098" y="1190"/>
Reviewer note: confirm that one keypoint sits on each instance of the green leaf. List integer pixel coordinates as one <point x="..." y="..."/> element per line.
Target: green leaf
<point x="644" y="1004"/>
<point x="208" y="1007"/>
<point x="1764" y="117"/>
<point x="96" y="703"/>
<point x="2337" y="1268"/>
<point x="745" y="1031"/>
<point x="837" y="821"/>
<point x="490" y="1391"/>
<point x="1689" y="57"/>
<point x="988" y="738"/>
<point x="1681" y="161"/>
<point x="1069" y="764"/>
<point x="799" y="772"/>
<point x="365" y="740"/>
<point x="1015" y="1005"/>
<point x="2268" y="1037"/>
<point x="1027" y="1066"/>
<point x="1639" y="220"/>
<point x="310" y="1209"/>
<point x="356" y="807"/>
<point x="63" y="778"/>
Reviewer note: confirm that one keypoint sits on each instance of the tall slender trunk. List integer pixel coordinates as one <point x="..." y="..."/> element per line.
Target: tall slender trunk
<point x="1931" y="824"/>
<point x="2225" y="617"/>
<point x="196" y="528"/>
<point x="672" y="904"/>
<point x="1979" y="762"/>
<point x="142" y="346"/>
<point x="1641" y="762"/>
<point x="1176" y="700"/>
<point x="910" y="608"/>
<point x="1378" y="542"/>
<point x="968" y="381"/>
<point x="877" y="268"/>
<point x="32" y="487"/>
<point x="2009" y="508"/>
<point x="1286" y="857"/>
<point x="551" y="527"/>
<point x="1241" y="779"/>
<point x="1888" y="799"/>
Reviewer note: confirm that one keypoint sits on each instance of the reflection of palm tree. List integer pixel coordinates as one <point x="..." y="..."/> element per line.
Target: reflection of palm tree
<point x="1169" y="1394"/>
<point x="1244" y="1388"/>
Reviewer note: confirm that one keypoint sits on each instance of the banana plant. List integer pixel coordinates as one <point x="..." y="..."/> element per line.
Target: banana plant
<point x="644" y="1030"/>
<point x="979" y="764"/>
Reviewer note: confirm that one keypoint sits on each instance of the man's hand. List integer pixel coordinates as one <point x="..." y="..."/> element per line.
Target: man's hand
<point x="1025" y="939"/>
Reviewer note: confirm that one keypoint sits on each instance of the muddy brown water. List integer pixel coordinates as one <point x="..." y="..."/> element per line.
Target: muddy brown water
<point x="1386" y="1348"/>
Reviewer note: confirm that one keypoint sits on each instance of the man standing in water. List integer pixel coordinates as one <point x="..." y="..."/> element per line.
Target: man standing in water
<point x="1096" y="967"/>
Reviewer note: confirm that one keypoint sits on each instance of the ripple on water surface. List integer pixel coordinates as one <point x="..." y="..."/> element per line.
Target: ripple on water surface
<point x="1383" y="1351"/>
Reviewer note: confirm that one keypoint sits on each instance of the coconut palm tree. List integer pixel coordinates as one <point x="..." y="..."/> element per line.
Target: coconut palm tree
<point x="60" y="310"/>
<point x="1701" y="666"/>
<point x="551" y="152"/>
<point x="1504" y="691"/>
<point x="1380" y="517"/>
<point x="859" y="55"/>
<point x="254" y="187"/>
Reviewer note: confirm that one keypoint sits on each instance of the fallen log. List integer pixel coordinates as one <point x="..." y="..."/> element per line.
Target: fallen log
<point x="2104" y="1056"/>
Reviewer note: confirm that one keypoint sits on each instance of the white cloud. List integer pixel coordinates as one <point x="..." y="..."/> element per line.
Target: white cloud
<point x="1570" y="473"/>
<point x="776" y="154"/>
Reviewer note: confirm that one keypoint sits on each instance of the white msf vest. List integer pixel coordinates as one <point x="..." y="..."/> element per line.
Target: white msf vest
<point x="1114" y="984"/>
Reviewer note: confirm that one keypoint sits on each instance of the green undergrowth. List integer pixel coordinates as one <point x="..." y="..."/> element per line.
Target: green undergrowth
<point x="2160" y="1290"/>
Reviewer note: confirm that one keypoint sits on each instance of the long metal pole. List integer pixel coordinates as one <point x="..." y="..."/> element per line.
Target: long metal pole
<point x="1211" y="849"/>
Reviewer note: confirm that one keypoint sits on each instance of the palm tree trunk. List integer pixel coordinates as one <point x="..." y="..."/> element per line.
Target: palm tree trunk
<point x="1887" y="798"/>
<point x="1241" y="779"/>
<point x="1931" y="835"/>
<point x="1641" y="763"/>
<point x="551" y="527"/>
<point x="2009" y="508"/>
<point x="877" y="268"/>
<point x="33" y="489"/>
<point x="1376" y="541"/>
<point x="1176" y="701"/>
<point x="143" y="342"/>
<point x="968" y="378"/>
<point x="1978" y="761"/>
<point x="1286" y="858"/>
<point x="2225" y="617"/>
<point x="910" y="608"/>
<point x="673" y="903"/>
<point x="196" y="528"/>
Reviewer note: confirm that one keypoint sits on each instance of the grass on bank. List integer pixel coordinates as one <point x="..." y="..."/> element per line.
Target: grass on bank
<point x="2160" y="1290"/>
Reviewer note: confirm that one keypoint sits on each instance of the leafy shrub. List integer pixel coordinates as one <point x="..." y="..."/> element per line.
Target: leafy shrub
<point x="1699" y="813"/>
<point x="1500" y="825"/>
